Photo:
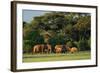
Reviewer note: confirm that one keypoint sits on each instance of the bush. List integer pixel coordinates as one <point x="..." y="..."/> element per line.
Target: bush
<point x="57" y="40"/>
<point x="60" y="40"/>
<point x="83" y="45"/>
<point x="76" y="44"/>
<point x="71" y="44"/>
<point x="38" y="40"/>
<point x="27" y="46"/>
<point x="89" y="43"/>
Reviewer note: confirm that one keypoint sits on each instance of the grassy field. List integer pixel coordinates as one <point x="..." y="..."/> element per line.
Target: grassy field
<point x="82" y="55"/>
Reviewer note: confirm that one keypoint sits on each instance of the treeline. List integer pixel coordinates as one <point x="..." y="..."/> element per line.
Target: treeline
<point x="71" y="29"/>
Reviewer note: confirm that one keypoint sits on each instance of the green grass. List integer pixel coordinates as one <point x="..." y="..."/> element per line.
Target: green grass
<point x="82" y="55"/>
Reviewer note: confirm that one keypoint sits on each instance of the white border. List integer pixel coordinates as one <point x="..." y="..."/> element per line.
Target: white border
<point x="21" y="65"/>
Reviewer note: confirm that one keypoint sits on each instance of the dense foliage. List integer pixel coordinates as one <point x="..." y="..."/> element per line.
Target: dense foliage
<point x="72" y="29"/>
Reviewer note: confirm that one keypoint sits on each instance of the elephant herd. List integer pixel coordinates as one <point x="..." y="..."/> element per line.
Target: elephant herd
<point x="41" y="48"/>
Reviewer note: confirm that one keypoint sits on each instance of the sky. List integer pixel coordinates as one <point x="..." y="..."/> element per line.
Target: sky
<point x="28" y="15"/>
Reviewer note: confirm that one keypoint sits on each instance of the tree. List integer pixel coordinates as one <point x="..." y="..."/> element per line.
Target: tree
<point x="58" y="28"/>
<point x="83" y="26"/>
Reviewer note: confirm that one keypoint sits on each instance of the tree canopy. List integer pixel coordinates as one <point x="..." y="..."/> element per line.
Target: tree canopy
<point x="63" y="27"/>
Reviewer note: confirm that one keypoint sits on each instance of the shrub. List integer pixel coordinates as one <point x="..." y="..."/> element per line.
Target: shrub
<point x="27" y="46"/>
<point x="89" y="43"/>
<point x="71" y="44"/>
<point x="83" y="45"/>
